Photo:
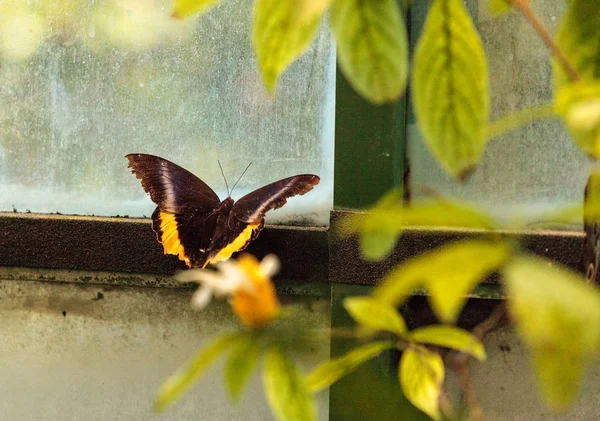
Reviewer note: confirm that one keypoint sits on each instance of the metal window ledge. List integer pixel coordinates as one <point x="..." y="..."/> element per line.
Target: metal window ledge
<point x="124" y="251"/>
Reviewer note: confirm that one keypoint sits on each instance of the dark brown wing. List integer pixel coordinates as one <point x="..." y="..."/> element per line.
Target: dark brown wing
<point x="171" y="187"/>
<point x="253" y="207"/>
<point x="188" y="236"/>
<point x="231" y="236"/>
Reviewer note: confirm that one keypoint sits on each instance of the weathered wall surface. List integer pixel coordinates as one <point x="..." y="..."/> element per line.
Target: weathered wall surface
<point x="67" y="355"/>
<point x="507" y="389"/>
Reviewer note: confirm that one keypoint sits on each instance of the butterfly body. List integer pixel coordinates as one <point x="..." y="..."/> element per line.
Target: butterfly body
<point x="190" y="220"/>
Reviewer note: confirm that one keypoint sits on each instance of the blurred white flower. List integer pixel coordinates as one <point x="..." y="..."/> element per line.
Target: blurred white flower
<point x="245" y="281"/>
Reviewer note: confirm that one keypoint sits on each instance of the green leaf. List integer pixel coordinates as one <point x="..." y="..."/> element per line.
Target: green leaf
<point x="421" y="376"/>
<point x="375" y="314"/>
<point x="174" y="386"/>
<point x="578" y="38"/>
<point x="372" y="47"/>
<point x="449" y="337"/>
<point x="279" y="37"/>
<point x="450" y="85"/>
<point x="185" y="8"/>
<point x="579" y="106"/>
<point x="241" y="363"/>
<point x="449" y="273"/>
<point x="500" y="6"/>
<point x="558" y="315"/>
<point x="377" y="245"/>
<point x="286" y="388"/>
<point x="331" y="371"/>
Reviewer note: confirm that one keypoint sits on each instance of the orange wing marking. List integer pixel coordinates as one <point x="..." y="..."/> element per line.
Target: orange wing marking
<point x="239" y="243"/>
<point x="170" y="237"/>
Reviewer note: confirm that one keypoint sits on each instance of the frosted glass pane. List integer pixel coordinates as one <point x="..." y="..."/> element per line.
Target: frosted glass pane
<point x="530" y="170"/>
<point x="82" y="83"/>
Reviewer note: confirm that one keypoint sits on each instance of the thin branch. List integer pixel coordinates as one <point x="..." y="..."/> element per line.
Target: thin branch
<point x="544" y="33"/>
<point x="464" y="378"/>
<point x="519" y="118"/>
<point x="460" y="361"/>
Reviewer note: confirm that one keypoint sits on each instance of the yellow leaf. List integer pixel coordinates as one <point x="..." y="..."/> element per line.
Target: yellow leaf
<point x="558" y="315"/>
<point x="579" y="106"/>
<point x="372" y="47"/>
<point x="500" y="6"/>
<point x="421" y="377"/>
<point x="449" y="337"/>
<point x="186" y="8"/>
<point x="375" y="314"/>
<point x="450" y="86"/>
<point x="279" y="37"/>
<point x="327" y="373"/>
<point x="308" y="10"/>
<point x="449" y="273"/>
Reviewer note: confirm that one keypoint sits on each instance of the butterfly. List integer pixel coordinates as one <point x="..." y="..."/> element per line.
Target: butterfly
<point x="190" y="220"/>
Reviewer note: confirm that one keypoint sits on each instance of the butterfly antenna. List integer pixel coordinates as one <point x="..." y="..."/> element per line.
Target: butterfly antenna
<point x="238" y="180"/>
<point x="223" y="174"/>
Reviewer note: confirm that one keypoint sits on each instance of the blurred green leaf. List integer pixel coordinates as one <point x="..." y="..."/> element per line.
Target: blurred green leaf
<point x="591" y="207"/>
<point x="380" y="227"/>
<point x="449" y="337"/>
<point x="500" y="6"/>
<point x="375" y="314"/>
<point x="579" y="106"/>
<point x="186" y="8"/>
<point x="372" y="47"/>
<point x="286" y="388"/>
<point x="327" y="373"/>
<point x="449" y="273"/>
<point x="450" y="86"/>
<point x="421" y="376"/>
<point x="174" y="386"/>
<point x="308" y="10"/>
<point x="577" y="37"/>
<point x="558" y="315"/>
<point x="279" y="37"/>
<point x="391" y="215"/>
<point x="377" y="245"/>
<point x="241" y="363"/>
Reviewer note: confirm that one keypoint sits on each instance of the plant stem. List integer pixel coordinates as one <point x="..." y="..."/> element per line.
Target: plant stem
<point x="460" y="362"/>
<point x="464" y="378"/>
<point x="518" y="118"/>
<point x="544" y="33"/>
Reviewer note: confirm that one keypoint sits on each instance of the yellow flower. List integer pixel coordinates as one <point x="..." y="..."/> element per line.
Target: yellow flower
<point x="247" y="283"/>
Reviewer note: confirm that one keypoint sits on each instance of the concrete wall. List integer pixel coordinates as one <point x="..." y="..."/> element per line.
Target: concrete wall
<point x="67" y="355"/>
<point x="105" y="358"/>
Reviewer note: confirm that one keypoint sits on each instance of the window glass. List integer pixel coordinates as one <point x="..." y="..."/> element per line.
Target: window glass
<point x="83" y="83"/>
<point x="532" y="169"/>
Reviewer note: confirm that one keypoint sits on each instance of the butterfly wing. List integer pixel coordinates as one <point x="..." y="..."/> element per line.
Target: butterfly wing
<point x="185" y="219"/>
<point x="188" y="236"/>
<point x="171" y="187"/>
<point x="231" y="236"/>
<point x="253" y="207"/>
<point x="247" y="217"/>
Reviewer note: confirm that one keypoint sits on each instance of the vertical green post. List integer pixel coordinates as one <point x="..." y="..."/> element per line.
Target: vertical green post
<point x="372" y="392"/>
<point x="369" y="147"/>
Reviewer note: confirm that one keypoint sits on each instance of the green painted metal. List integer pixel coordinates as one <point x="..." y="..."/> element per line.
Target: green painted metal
<point x="369" y="147"/>
<point x="372" y="392"/>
